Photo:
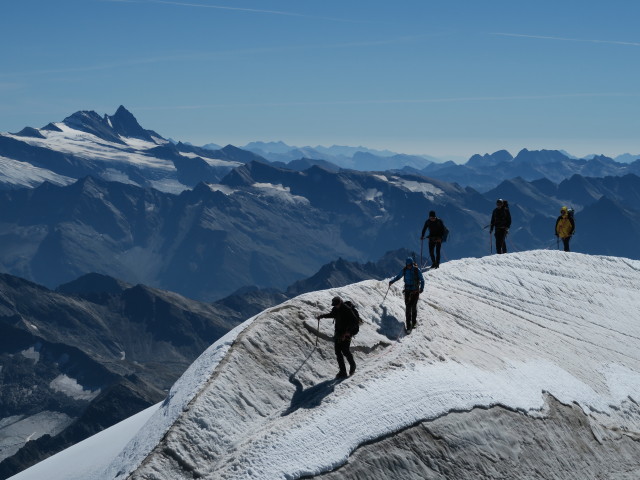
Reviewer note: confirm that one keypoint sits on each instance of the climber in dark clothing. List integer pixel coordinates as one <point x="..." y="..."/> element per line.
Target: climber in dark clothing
<point x="436" y="233"/>
<point x="501" y="221"/>
<point x="413" y="287"/>
<point x="343" y="317"/>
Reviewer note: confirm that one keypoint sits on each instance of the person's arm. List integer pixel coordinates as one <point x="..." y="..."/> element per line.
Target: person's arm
<point x="573" y="225"/>
<point x="493" y="221"/>
<point x="331" y="314"/>
<point x="508" y="219"/>
<point x="397" y="277"/>
<point x="421" y="280"/>
<point x="557" y="223"/>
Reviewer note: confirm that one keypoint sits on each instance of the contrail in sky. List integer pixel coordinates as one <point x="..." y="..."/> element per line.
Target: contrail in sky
<point x="237" y="9"/>
<point x="209" y="55"/>
<point x="395" y="101"/>
<point x="564" y="39"/>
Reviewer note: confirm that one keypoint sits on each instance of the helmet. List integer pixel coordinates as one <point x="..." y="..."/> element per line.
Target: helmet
<point x="499" y="201"/>
<point x="409" y="261"/>
<point x="564" y="209"/>
<point x="336" y="301"/>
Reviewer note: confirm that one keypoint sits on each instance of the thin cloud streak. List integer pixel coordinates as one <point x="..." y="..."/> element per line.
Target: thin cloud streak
<point x="397" y="101"/>
<point x="236" y="9"/>
<point x="209" y="55"/>
<point x="563" y="39"/>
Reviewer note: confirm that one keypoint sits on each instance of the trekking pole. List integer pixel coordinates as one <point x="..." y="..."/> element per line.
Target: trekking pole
<point x="385" y="295"/>
<point x="317" y="332"/>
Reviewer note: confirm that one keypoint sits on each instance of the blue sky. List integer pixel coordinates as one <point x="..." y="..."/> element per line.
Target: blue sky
<point x="444" y="78"/>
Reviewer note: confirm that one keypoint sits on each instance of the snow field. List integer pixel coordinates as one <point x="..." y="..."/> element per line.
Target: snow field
<point x="495" y="331"/>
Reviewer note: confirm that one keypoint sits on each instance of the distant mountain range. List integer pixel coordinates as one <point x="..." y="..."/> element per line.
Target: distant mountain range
<point x="95" y="351"/>
<point x="109" y="205"/>
<point x="268" y="227"/>
<point x="116" y="147"/>
<point x="112" y="147"/>
<point x="486" y="171"/>
<point x="356" y="158"/>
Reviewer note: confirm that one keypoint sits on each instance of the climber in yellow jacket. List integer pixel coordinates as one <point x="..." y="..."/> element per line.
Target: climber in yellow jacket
<point x="565" y="226"/>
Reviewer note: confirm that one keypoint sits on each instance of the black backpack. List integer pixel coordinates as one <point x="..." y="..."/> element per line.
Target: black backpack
<point x="355" y="320"/>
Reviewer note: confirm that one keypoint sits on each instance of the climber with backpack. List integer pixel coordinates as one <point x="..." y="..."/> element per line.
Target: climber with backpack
<point x="565" y="226"/>
<point x="347" y="324"/>
<point x="437" y="234"/>
<point x="413" y="287"/>
<point x="501" y="221"/>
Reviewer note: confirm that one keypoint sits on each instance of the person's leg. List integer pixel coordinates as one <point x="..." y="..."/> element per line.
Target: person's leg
<point x="501" y="243"/>
<point x="438" y="247"/>
<point x="432" y="246"/>
<point x="414" y="309"/>
<point x="345" y="348"/>
<point x="499" y="238"/>
<point x="338" y="350"/>
<point x="565" y="242"/>
<point x="407" y="311"/>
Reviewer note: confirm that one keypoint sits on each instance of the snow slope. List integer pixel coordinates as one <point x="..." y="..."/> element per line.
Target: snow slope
<point x="505" y="330"/>
<point x="113" y="161"/>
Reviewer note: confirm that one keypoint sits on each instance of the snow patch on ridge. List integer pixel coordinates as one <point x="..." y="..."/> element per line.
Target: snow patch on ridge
<point x="280" y="192"/>
<point x="27" y="175"/>
<point x="71" y="387"/>
<point x="429" y="190"/>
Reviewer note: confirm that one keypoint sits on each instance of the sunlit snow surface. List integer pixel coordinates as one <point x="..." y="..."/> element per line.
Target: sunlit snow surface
<point x="115" y="157"/>
<point x="22" y="174"/>
<point x="501" y="330"/>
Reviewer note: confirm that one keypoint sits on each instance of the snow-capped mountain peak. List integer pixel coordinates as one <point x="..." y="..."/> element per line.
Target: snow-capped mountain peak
<point x="525" y="331"/>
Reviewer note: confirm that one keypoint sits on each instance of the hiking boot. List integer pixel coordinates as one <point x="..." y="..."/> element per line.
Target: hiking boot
<point x="342" y="374"/>
<point x="352" y="369"/>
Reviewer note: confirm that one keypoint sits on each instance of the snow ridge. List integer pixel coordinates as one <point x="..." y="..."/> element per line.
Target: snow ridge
<point x="502" y="330"/>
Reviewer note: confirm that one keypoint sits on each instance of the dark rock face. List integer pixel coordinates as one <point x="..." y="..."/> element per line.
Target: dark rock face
<point x="126" y="125"/>
<point x="269" y="227"/>
<point x="497" y="444"/>
<point x="29" y="132"/>
<point x="206" y="244"/>
<point x="91" y="122"/>
<point x="95" y="352"/>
